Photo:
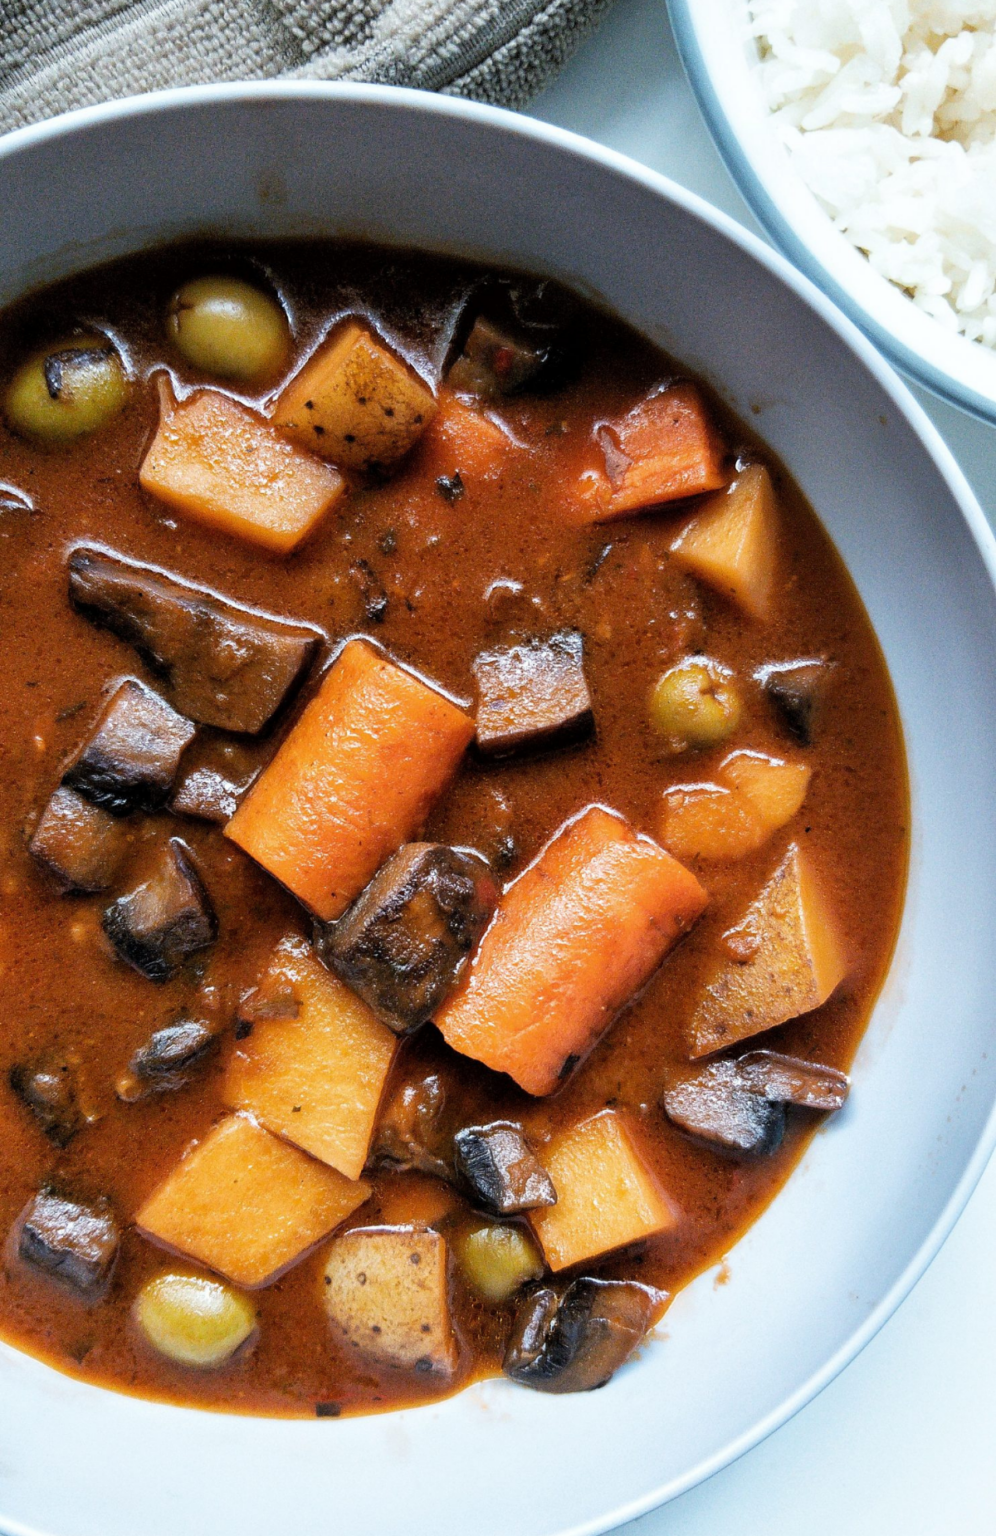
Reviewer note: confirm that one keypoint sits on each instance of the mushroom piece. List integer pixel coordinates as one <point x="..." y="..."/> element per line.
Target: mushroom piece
<point x="223" y="664"/>
<point x="532" y="695"/>
<point x="78" y="843"/>
<point x="716" y="1106"/>
<point x="791" y="1080"/>
<point x="214" y="777"/>
<point x="159" y="924"/>
<point x="496" y="360"/>
<point x="409" y="1138"/>
<point x="167" y="1058"/>
<point x="501" y="1168"/>
<point x="73" y="1242"/>
<point x="795" y="689"/>
<point x="131" y="760"/>
<point x="48" y="1089"/>
<point x="405" y="940"/>
<point x="576" y="1340"/>
<point x="524" y="335"/>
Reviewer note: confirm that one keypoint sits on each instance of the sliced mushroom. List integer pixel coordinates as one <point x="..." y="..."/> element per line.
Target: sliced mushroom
<point x="73" y="1242"/>
<point x="574" y="1341"/>
<point x="167" y="1058"/>
<point x="405" y="940"/>
<point x="501" y="1168"/>
<point x="223" y="664"/>
<point x="167" y="918"/>
<point x="275" y="999"/>
<point x="409" y="1136"/>
<point x="790" y="1080"/>
<point x="795" y="688"/>
<point x="48" y="1089"/>
<point x="496" y="361"/>
<point x="215" y="775"/>
<point x="131" y="760"/>
<point x="524" y="335"/>
<point x="532" y="695"/>
<point x="715" y="1105"/>
<point x="79" y="844"/>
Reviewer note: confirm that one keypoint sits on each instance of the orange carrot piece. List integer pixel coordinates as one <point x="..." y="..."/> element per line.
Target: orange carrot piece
<point x="572" y="940"/>
<point x="665" y="449"/>
<point x="355" y="779"/>
<point x="220" y="464"/>
<point x="463" y="441"/>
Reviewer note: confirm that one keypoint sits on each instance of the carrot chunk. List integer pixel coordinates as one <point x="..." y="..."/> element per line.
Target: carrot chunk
<point x="664" y="449"/>
<point x="220" y="464"/>
<point x="463" y="446"/>
<point x="354" y="780"/>
<point x="573" y="938"/>
<point x="606" y="1195"/>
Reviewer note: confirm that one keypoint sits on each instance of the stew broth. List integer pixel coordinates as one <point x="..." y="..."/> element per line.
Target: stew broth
<point x="435" y="578"/>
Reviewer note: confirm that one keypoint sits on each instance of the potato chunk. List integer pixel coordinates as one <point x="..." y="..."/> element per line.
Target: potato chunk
<point x="606" y="1195"/>
<point x="220" y="464"/>
<point x="794" y="961"/>
<point x="752" y="797"/>
<point x="317" y="1077"/>
<point x="732" y="542"/>
<point x="355" y="403"/>
<point x="386" y="1291"/>
<point x="246" y="1204"/>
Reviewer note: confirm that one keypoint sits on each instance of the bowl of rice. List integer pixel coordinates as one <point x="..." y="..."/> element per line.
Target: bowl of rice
<point x="862" y="134"/>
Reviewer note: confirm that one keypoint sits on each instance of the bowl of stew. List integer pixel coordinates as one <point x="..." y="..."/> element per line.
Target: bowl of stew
<point x="498" y="713"/>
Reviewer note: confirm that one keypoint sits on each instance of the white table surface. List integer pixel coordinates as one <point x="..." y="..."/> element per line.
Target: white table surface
<point x="904" y="1442"/>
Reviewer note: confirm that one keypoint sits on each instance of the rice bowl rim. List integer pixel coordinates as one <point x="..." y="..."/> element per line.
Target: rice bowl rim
<point x="718" y="51"/>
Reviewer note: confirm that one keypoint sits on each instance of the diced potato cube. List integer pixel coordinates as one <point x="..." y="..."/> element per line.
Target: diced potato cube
<point x="606" y="1196"/>
<point x="220" y="464"/>
<point x="316" y="1077"/>
<point x="386" y="1291"/>
<point x="355" y="403"/>
<point x="246" y="1204"/>
<point x="754" y="795"/>
<point x="664" y="449"/>
<point x="792" y="960"/>
<point x="708" y="821"/>
<point x="732" y="543"/>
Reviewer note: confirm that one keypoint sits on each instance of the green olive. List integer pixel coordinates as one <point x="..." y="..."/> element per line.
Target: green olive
<point x="194" y="1320"/>
<point x="229" y="329"/>
<point x="497" y="1259"/>
<point x="67" y="390"/>
<point x="695" y="705"/>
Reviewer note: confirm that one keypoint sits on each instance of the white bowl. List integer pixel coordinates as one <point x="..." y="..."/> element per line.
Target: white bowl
<point x="877" y="1192"/>
<point x="720" y="57"/>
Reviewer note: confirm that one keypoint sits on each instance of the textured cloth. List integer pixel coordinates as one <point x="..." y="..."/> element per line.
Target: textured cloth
<point x="58" y="54"/>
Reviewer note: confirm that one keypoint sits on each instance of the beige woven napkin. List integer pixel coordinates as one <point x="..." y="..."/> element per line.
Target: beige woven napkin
<point x="58" y="54"/>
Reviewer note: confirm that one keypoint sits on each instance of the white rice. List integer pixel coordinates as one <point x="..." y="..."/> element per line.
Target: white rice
<point x="888" y="110"/>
